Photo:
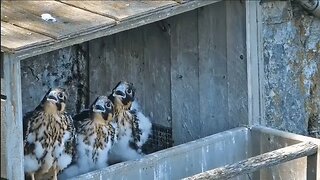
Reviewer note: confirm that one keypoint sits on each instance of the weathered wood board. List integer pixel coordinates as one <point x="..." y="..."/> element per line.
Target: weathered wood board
<point x="112" y="60"/>
<point x="156" y="73"/>
<point x="186" y="76"/>
<point x="122" y="10"/>
<point x="236" y="64"/>
<point x="213" y="74"/>
<point x="2" y="87"/>
<point x="140" y="56"/>
<point x="12" y="123"/>
<point x="3" y="148"/>
<point x="14" y="38"/>
<point x="2" y="74"/>
<point x="69" y="21"/>
<point x="180" y="68"/>
<point x="161" y="10"/>
<point x="186" y="124"/>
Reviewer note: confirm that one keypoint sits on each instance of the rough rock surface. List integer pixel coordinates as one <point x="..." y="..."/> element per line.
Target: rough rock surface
<point x="291" y="41"/>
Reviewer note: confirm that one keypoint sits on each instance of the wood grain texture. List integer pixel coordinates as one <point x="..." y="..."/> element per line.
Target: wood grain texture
<point x="13" y="136"/>
<point x="3" y="148"/>
<point x="237" y="64"/>
<point x="70" y="21"/>
<point x="254" y="63"/>
<point x="141" y="56"/>
<point x="115" y="58"/>
<point x="313" y="165"/>
<point x="213" y="69"/>
<point x="14" y="38"/>
<point x="122" y="26"/>
<point x="261" y="161"/>
<point x="2" y="88"/>
<point x="184" y="78"/>
<point x="183" y="1"/>
<point x="121" y="10"/>
<point x="156" y="73"/>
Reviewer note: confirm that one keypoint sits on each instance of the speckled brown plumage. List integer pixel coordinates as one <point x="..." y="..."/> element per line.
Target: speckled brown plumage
<point x="96" y="134"/>
<point x="133" y="127"/>
<point x="103" y="132"/>
<point x="49" y="136"/>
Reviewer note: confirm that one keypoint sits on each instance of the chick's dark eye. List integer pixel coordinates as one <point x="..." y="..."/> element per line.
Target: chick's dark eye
<point x="108" y="105"/>
<point x="60" y="96"/>
<point x="129" y="91"/>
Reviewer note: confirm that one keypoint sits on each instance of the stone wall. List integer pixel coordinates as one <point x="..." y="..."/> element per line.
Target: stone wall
<point x="291" y="54"/>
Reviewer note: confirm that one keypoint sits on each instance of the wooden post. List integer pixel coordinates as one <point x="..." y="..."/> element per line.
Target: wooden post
<point x="313" y="165"/>
<point x="255" y="68"/>
<point x="13" y="140"/>
<point x="3" y="132"/>
<point x="262" y="161"/>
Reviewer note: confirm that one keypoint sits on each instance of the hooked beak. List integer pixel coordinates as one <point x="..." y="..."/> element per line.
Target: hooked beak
<point x="52" y="98"/>
<point x="99" y="109"/>
<point x="119" y="93"/>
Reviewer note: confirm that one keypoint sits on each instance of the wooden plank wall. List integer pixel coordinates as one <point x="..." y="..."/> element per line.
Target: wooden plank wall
<point x="3" y="130"/>
<point x="185" y="78"/>
<point x="189" y="70"/>
<point x="141" y="56"/>
<point x="213" y="69"/>
<point x="3" y="149"/>
<point x="237" y="63"/>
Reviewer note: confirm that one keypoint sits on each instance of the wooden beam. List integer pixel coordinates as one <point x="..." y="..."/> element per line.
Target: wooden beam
<point x="255" y="69"/>
<point x="68" y="21"/>
<point x="261" y="161"/>
<point x="122" y="26"/>
<point x="12" y="125"/>
<point x="14" y="38"/>
<point x="3" y="149"/>
<point x="313" y="166"/>
<point x="3" y="94"/>
<point x="121" y="10"/>
<point x="237" y="86"/>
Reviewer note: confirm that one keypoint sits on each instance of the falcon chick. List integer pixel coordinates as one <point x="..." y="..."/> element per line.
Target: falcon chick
<point x="49" y="136"/>
<point x="133" y="127"/>
<point x="96" y="133"/>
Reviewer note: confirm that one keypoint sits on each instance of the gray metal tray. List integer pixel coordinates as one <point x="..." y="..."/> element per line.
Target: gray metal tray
<point x="241" y="153"/>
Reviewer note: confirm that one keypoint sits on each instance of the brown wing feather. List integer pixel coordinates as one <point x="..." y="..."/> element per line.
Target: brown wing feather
<point x="71" y="142"/>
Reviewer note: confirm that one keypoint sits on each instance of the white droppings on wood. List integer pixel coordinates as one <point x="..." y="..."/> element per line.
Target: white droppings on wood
<point x="48" y="17"/>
